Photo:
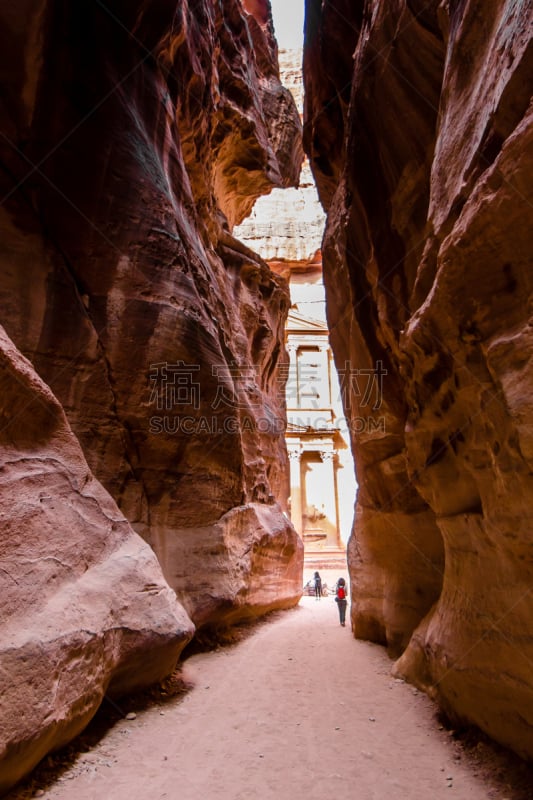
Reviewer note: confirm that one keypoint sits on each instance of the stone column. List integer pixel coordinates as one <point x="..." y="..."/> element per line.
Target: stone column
<point x="325" y="382"/>
<point x="291" y="392"/>
<point x="331" y="503"/>
<point x="296" y="489"/>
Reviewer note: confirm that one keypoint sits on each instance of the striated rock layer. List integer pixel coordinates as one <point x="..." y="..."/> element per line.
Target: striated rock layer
<point x="418" y="129"/>
<point x="134" y="136"/>
<point x="85" y="608"/>
<point x="127" y="165"/>
<point x="287" y="224"/>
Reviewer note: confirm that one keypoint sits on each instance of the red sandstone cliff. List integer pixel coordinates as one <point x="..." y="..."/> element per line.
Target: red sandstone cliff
<point x="85" y="608"/>
<point x="418" y="128"/>
<point x="134" y="136"/>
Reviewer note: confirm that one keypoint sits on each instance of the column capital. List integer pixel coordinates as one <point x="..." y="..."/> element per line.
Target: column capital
<point x="294" y="454"/>
<point x="328" y="455"/>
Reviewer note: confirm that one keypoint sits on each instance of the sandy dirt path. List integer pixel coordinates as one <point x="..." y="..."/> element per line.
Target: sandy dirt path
<point x="298" y="709"/>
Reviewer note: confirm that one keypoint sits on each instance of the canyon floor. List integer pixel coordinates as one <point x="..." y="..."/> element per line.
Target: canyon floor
<point x="295" y="708"/>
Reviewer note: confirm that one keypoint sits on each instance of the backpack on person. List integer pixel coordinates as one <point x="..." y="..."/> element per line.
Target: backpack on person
<point x="341" y="589"/>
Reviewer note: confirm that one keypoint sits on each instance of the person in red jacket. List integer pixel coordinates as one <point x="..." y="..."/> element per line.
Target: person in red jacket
<point x="341" y="599"/>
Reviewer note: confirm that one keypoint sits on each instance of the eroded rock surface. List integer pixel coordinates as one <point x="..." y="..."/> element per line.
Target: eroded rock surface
<point x="134" y="136"/>
<point x="418" y="129"/>
<point x="127" y="165"/>
<point x="287" y="224"/>
<point x="85" y="608"/>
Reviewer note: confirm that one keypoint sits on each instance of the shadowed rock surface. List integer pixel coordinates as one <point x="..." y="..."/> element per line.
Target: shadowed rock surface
<point x="85" y="608"/>
<point x="418" y="129"/>
<point x="134" y="136"/>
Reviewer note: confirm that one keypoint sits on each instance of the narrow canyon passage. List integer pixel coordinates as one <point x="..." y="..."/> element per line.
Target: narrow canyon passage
<point x="172" y="437"/>
<point x="299" y="709"/>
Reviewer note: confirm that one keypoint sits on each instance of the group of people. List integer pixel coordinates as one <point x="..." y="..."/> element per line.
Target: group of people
<point x="341" y="595"/>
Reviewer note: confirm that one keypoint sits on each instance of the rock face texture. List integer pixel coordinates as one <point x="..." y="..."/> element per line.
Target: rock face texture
<point x="418" y="130"/>
<point x="85" y="608"/>
<point x="287" y="225"/>
<point x="120" y="280"/>
<point x="134" y="136"/>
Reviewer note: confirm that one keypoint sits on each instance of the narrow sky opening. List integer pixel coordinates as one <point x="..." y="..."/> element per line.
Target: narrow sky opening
<point x="288" y="18"/>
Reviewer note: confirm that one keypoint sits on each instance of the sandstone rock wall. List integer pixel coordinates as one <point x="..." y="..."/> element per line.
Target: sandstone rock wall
<point x="288" y="224"/>
<point x="136" y="136"/>
<point x="418" y="129"/>
<point x="133" y="137"/>
<point x="85" y="608"/>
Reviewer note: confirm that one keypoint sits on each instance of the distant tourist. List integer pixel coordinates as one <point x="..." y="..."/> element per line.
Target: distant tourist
<point x="340" y="598"/>
<point x="318" y="586"/>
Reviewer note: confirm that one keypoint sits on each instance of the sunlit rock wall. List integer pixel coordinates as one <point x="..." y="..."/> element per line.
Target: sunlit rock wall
<point x="287" y="225"/>
<point x="418" y="129"/>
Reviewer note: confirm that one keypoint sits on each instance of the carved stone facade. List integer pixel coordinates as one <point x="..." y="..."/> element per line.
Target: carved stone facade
<point x="313" y="439"/>
<point x="286" y="229"/>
